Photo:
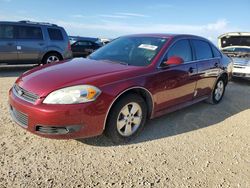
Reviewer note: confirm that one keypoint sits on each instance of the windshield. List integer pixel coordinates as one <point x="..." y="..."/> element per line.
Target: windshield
<point x="137" y="51"/>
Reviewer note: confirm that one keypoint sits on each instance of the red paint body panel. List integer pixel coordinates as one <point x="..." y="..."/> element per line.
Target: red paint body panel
<point x="168" y="87"/>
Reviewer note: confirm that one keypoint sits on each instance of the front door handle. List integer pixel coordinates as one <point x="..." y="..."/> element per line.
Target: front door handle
<point x="10" y="43"/>
<point x="191" y="70"/>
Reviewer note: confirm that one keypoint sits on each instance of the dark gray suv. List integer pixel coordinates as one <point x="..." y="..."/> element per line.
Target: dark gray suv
<point x="28" y="42"/>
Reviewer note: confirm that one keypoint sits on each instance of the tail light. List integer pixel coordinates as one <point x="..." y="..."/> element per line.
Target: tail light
<point x="69" y="46"/>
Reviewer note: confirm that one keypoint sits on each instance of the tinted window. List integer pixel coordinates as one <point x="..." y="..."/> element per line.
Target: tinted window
<point x="181" y="49"/>
<point x="83" y="43"/>
<point x="6" y="32"/>
<point x="27" y="32"/>
<point x="202" y="49"/>
<point x="216" y="52"/>
<point x="55" y="34"/>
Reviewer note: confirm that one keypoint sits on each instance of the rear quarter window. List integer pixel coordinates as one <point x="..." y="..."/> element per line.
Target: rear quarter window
<point x="202" y="49"/>
<point x="55" y="34"/>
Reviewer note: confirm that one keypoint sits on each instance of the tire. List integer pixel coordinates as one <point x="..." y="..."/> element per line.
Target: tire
<point x="218" y="92"/>
<point x="51" y="57"/>
<point x="123" y="124"/>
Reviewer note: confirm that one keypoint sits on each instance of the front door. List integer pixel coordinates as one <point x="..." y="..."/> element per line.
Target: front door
<point x="175" y="84"/>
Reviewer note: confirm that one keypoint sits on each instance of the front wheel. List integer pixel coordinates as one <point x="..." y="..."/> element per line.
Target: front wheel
<point x="126" y="119"/>
<point x="218" y="92"/>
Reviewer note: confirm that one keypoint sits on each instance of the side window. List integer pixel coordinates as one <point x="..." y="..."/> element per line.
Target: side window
<point x="202" y="50"/>
<point x="216" y="52"/>
<point x="6" y="32"/>
<point x="28" y="32"/>
<point x="83" y="43"/>
<point x="55" y="34"/>
<point x="181" y="49"/>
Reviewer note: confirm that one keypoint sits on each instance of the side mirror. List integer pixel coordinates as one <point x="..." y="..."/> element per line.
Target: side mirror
<point x="174" y="60"/>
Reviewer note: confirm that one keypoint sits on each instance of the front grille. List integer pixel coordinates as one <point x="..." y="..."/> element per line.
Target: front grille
<point x="26" y="95"/>
<point x="19" y="117"/>
<point x="238" y="67"/>
<point x="241" y="74"/>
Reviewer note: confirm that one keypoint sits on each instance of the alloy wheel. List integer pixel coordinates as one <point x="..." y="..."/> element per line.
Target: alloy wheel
<point x="219" y="90"/>
<point x="129" y="119"/>
<point x="52" y="59"/>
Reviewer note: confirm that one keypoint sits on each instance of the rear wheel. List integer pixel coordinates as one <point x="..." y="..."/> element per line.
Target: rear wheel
<point x="218" y="92"/>
<point x="51" y="57"/>
<point x="126" y="119"/>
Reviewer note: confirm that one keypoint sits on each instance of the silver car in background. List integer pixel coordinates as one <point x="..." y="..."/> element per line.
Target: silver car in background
<point x="237" y="46"/>
<point x="28" y="42"/>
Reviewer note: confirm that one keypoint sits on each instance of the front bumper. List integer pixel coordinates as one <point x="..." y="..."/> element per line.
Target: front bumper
<point x="59" y="121"/>
<point x="241" y="71"/>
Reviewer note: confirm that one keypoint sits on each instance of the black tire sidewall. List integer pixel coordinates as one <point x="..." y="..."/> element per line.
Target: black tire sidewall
<point x="44" y="61"/>
<point x="111" y="126"/>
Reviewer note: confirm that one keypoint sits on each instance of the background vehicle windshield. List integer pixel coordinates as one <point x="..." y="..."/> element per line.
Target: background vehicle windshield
<point x="137" y="51"/>
<point x="247" y="50"/>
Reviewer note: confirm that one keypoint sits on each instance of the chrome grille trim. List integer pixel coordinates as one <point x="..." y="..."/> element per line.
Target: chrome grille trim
<point x="239" y="67"/>
<point x="25" y="95"/>
<point x="19" y="117"/>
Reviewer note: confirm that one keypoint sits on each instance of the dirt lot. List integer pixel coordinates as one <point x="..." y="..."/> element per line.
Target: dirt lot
<point x="199" y="146"/>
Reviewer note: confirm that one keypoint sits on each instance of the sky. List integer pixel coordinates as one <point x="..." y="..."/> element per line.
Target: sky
<point x="113" y="18"/>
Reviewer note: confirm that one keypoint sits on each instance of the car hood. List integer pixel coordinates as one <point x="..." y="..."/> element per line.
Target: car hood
<point x="237" y="39"/>
<point x="45" y="79"/>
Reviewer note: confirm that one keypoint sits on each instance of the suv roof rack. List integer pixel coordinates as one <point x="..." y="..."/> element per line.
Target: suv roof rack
<point x="41" y="23"/>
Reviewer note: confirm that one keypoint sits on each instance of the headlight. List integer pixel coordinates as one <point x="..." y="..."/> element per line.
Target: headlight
<point x="73" y="95"/>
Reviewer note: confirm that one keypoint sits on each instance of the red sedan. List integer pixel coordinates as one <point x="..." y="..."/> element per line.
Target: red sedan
<point x="118" y="87"/>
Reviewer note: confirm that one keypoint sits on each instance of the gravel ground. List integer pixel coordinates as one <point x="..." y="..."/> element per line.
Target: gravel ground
<point x="199" y="146"/>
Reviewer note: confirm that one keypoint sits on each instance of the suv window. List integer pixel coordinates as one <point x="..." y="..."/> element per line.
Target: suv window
<point x="29" y="32"/>
<point x="6" y="32"/>
<point x="55" y="34"/>
<point x="181" y="49"/>
<point x="216" y="52"/>
<point x="202" y="50"/>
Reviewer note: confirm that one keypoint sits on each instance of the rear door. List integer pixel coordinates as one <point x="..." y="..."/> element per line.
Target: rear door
<point x="30" y="43"/>
<point x="208" y="67"/>
<point x="8" y="52"/>
<point x="176" y="83"/>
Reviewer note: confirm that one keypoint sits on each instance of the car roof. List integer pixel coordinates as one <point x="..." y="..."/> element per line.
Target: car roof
<point x="25" y="22"/>
<point x="77" y="38"/>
